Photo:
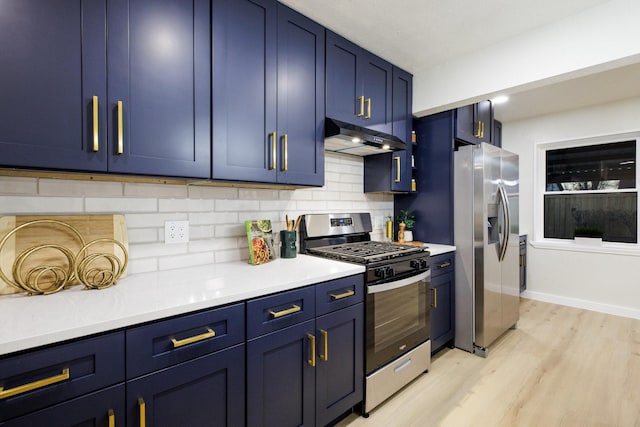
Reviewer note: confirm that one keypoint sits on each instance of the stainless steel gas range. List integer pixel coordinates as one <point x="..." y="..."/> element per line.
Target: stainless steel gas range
<point x="397" y="319"/>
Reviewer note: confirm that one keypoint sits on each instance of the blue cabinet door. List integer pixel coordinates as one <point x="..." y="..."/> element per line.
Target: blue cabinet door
<point x="104" y="408"/>
<point x="244" y="90"/>
<point x="402" y="126"/>
<point x="474" y="123"/>
<point x="159" y="87"/>
<point x="345" y="100"/>
<point x="202" y="392"/>
<point x="359" y="85"/>
<point x="340" y="371"/>
<point x="442" y="328"/>
<point x="281" y="378"/>
<point x="300" y="99"/>
<point x="268" y="94"/>
<point x="53" y="63"/>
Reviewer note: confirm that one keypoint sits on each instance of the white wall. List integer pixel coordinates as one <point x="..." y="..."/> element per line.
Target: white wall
<point x="599" y="38"/>
<point x="598" y="281"/>
<point x="216" y="214"/>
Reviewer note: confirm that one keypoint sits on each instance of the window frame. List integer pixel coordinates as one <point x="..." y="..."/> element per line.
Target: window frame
<point x="540" y="190"/>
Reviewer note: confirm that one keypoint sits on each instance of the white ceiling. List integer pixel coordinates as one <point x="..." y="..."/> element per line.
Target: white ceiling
<point x="417" y="34"/>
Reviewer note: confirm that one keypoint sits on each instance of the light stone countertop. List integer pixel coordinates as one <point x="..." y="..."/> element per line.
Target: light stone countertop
<point x="32" y="321"/>
<point x="438" y="249"/>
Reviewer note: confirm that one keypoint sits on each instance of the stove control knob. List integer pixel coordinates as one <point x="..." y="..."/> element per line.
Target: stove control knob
<point x="380" y="272"/>
<point x="389" y="271"/>
<point x="424" y="264"/>
<point x="415" y="264"/>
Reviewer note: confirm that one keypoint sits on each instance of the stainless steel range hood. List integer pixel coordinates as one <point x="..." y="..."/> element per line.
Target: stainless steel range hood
<point x="351" y="139"/>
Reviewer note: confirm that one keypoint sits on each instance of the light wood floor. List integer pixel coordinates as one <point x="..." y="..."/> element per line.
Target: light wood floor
<point x="562" y="366"/>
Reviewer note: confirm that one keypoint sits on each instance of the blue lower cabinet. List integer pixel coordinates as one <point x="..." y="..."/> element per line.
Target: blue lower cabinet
<point x="339" y="369"/>
<point x="104" y="408"/>
<point x="208" y="391"/>
<point x="281" y="377"/>
<point x="442" y="308"/>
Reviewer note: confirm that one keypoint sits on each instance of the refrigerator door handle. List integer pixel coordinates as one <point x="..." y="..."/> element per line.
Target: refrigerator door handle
<point x="507" y="222"/>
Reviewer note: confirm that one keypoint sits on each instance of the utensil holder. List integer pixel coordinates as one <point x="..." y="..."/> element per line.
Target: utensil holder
<point x="288" y="244"/>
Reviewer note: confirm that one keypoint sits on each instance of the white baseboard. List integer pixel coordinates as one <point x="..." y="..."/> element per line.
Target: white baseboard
<point x="587" y="305"/>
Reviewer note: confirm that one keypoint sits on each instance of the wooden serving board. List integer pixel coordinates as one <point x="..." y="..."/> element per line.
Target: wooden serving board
<point x="90" y="227"/>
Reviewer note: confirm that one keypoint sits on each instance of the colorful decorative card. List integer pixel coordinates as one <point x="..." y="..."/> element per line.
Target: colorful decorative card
<point x="260" y="237"/>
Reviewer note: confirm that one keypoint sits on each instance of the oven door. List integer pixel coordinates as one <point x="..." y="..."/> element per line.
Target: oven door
<point x="398" y="318"/>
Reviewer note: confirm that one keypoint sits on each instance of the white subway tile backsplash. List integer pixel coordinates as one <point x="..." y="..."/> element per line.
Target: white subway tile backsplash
<point x="237" y="205"/>
<point x="40" y="205"/>
<point x="11" y="185"/>
<point x="207" y="192"/>
<point x="135" y="189"/>
<point x="182" y="261"/>
<point x="216" y="215"/>
<point x="64" y="187"/>
<point x="118" y="205"/>
<point x="143" y="235"/>
<point x="185" y="205"/>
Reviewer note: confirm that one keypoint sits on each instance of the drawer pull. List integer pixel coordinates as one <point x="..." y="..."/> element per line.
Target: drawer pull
<point x="112" y="418"/>
<point x="342" y="295"/>
<point x="434" y="304"/>
<point x="444" y="264"/>
<point x="34" y="385"/>
<point x="312" y="361"/>
<point x="143" y="412"/>
<point x="179" y="343"/>
<point x="96" y="142"/>
<point x="325" y="352"/>
<point x="277" y="314"/>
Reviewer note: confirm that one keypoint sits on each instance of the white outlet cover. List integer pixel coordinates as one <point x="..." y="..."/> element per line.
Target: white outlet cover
<point x="176" y="231"/>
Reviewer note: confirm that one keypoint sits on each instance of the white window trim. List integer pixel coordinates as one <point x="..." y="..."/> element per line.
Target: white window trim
<point x="539" y="189"/>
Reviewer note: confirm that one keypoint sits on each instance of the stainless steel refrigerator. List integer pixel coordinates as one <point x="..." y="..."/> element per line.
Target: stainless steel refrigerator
<point x="486" y="234"/>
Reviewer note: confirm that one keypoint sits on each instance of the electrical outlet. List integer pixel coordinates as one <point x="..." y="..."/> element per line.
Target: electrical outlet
<point x="176" y="231"/>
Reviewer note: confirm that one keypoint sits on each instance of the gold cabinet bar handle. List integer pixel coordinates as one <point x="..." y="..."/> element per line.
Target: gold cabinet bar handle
<point x="435" y="298"/>
<point x="476" y="125"/>
<point x="120" y="134"/>
<point x="285" y="138"/>
<point x="368" y="116"/>
<point x="325" y="352"/>
<point x="312" y="361"/>
<point x="444" y="264"/>
<point x="397" y="158"/>
<point x="34" y="385"/>
<point x="361" y="102"/>
<point x="272" y="138"/>
<point x="96" y="142"/>
<point x="112" y="418"/>
<point x="481" y="129"/>
<point x="179" y="343"/>
<point x="142" y="408"/>
<point x="276" y="314"/>
<point x="342" y="295"/>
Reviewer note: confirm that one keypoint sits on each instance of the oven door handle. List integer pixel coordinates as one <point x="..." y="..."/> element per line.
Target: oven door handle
<point x="395" y="284"/>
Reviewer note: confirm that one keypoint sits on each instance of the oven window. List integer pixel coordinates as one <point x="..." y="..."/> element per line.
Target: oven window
<point x="398" y="313"/>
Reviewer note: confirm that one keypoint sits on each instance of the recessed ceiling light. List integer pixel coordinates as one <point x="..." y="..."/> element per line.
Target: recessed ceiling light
<point x="500" y="99"/>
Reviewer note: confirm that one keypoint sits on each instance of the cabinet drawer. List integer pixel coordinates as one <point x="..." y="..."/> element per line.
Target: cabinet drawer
<point x="336" y="294"/>
<point x="443" y="263"/>
<point x="102" y="408"/>
<point x="41" y="378"/>
<point x="273" y="312"/>
<point x="165" y="343"/>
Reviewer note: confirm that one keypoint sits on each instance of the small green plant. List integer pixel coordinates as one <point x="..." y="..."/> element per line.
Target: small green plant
<point x="588" y="232"/>
<point x="406" y="217"/>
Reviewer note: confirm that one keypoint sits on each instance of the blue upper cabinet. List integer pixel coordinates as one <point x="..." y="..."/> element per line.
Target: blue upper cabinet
<point x="268" y="94"/>
<point x="56" y="111"/>
<point x="474" y="123"/>
<point x="53" y="63"/>
<point x="392" y="171"/>
<point x="359" y="85"/>
<point x="159" y="87"/>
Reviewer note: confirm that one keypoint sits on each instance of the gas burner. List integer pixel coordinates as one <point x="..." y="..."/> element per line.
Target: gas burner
<point x="366" y="252"/>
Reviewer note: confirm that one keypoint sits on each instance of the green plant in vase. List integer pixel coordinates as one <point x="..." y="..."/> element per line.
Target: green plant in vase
<point x="408" y="220"/>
